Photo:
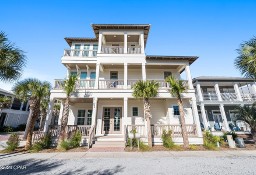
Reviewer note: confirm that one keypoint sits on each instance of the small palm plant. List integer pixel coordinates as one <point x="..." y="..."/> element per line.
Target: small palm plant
<point x="248" y="114"/>
<point x="69" y="87"/>
<point x="5" y="102"/>
<point x="146" y="90"/>
<point x="33" y="90"/>
<point x="177" y="87"/>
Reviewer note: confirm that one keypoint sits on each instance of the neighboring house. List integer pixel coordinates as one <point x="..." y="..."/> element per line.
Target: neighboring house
<point x="108" y="66"/>
<point x="218" y="97"/>
<point x="17" y="114"/>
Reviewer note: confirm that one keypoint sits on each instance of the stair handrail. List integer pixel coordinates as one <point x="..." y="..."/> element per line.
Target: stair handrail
<point x="91" y="136"/>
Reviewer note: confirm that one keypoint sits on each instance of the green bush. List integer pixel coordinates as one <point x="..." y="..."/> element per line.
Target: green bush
<point x="210" y="141"/>
<point x="75" y="139"/>
<point x="234" y="135"/>
<point x="73" y="142"/>
<point x="134" y="142"/>
<point x="13" y="142"/>
<point x="65" y="145"/>
<point x="8" y="129"/>
<point x="167" y="139"/>
<point x="43" y="143"/>
<point x="144" y="147"/>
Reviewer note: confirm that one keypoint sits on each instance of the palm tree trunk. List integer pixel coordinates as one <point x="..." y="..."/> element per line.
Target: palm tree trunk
<point x="148" y="117"/>
<point x="35" y="110"/>
<point x="253" y="135"/>
<point x="42" y="120"/>
<point x="28" y="121"/>
<point x="64" y="122"/>
<point x="183" y="124"/>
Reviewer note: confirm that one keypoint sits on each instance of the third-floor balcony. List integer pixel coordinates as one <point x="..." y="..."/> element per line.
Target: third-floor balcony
<point x="120" y="50"/>
<point x="80" y="53"/>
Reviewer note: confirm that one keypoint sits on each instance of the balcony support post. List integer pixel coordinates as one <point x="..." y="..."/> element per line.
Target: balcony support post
<point x="199" y="92"/>
<point x="189" y="78"/>
<point x="142" y="43"/>
<point x="125" y="112"/>
<point x="203" y="114"/>
<point x="100" y="42"/>
<point x="125" y="75"/>
<point x="125" y="43"/>
<point x="97" y="76"/>
<point x="224" y="117"/>
<point x="196" y="117"/>
<point x="238" y="94"/>
<point x="94" y="110"/>
<point x="217" y="90"/>
<point x="144" y="72"/>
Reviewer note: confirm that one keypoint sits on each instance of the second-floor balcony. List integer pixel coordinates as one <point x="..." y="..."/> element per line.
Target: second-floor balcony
<point x="107" y="84"/>
<point x="80" y="53"/>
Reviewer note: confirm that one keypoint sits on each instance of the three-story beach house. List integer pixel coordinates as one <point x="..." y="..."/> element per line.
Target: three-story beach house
<point x="108" y="65"/>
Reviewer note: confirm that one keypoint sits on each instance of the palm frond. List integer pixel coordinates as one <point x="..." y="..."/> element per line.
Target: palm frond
<point x="145" y="89"/>
<point x="176" y="86"/>
<point x="70" y="84"/>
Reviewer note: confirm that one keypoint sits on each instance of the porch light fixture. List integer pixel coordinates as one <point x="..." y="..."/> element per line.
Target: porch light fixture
<point x="129" y="36"/>
<point x="114" y="36"/>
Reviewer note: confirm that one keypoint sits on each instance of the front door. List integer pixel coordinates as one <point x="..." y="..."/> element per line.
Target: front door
<point x="112" y="118"/>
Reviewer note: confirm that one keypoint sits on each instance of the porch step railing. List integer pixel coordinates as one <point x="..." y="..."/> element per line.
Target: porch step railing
<point x="54" y="130"/>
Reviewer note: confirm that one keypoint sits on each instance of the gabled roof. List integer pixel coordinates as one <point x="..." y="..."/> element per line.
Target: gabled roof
<point x="221" y="79"/>
<point x="190" y="59"/>
<point x="69" y="40"/>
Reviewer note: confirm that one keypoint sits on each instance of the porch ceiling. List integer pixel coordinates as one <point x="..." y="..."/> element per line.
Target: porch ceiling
<point x="81" y="65"/>
<point x="81" y="100"/>
<point x="114" y="38"/>
<point x="162" y="66"/>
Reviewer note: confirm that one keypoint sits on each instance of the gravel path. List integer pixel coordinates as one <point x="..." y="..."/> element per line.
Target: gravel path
<point x="193" y="162"/>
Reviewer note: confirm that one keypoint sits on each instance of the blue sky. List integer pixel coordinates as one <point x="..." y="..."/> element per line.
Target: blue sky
<point x="211" y="29"/>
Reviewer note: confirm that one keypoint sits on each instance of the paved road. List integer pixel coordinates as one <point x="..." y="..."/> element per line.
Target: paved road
<point x="92" y="163"/>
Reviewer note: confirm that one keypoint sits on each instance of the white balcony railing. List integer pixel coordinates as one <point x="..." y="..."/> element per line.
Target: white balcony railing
<point x="112" y="49"/>
<point x="80" y="53"/>
<point x="134" y="50"/>
<point x="229" y="96"/>
<point x="210" y="96"/>
<point x="107" y="84"/>
<point x="248" y="97"/>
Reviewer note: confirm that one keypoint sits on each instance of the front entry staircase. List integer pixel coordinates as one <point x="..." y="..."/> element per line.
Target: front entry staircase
<point x="108" y="143"/>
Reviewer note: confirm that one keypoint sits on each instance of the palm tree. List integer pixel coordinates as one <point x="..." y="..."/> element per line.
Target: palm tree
<point x="69" y="88"/>
<point x="146" y="90"/>
<point x="43" y="110"/>
<point x="5" y="102"/>
<point x="33" y="90"/>
<point x="12" y="59"/>
<point x="176" y="88"/>
<point x="248" y="114"/>
<point x="246" y="60"/>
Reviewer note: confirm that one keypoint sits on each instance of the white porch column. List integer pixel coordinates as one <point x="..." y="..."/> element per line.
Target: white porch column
<point x="239" y="97"/>
<point x="144" y="72"/>
<point x="61" y="111"/>
<point x="142" y="43"/>
<point x="196" y="117"/>
<point x="100" y="43"/>
<point x="125" y="122"/>
<point x="199" y="92"/>
<point x="217" y="90"/>
<point x="94" y="110"/>
<point x="97" y="76"/>
<point x="223" y="115"/>
<point x="125" y="42"/>
<point x="254" y="88"/>
<point x="27" y="105"/>
<point x="12" y="102"/>
<point x="189" y="78"/>
<point x="125" y="75"/>
<point x="206" y="122"/>
<point x="49" y="115"/>
<point x="68" y="73"/>
<point x="21" y="106"/>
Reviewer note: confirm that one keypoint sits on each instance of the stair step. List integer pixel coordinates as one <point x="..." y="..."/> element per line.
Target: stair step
<point x="109" y="143"/>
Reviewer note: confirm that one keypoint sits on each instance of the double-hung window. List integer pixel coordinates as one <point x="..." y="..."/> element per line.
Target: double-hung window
<point x="80" y="117"/>
<point x="135" y="112"/>
<point x="95" y="50"/>
<point x="86" y="50"/>
<point x="176" y="111"/>
<point x="89" y="117"/>
<point x="77" y="50"/>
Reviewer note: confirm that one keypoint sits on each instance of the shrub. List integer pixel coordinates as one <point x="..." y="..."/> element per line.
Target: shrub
<point x="210" y="141"/>
<point x="8" y="129"/>
<point x="193" y="147"/>
<point x="13" y="142"/>
<point x="144" y="147"/>
<point x="167" y="139"/>
<point x="43" y="143"/>
<point x="73" y="142"/>
<point x="75" y="139"/>
<point x="134" y="142"/>
<point x="234" y="135"/>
